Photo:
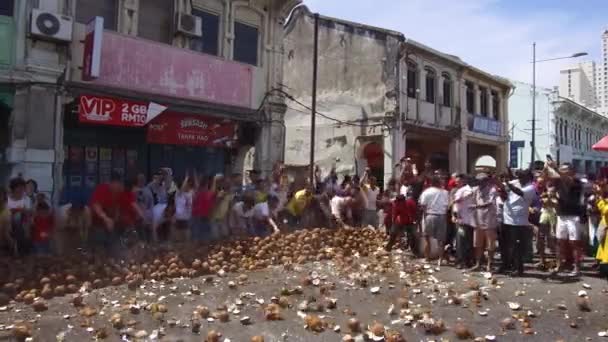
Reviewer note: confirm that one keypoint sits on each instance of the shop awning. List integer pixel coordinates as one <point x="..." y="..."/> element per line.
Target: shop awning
<point x="601" y="145"/>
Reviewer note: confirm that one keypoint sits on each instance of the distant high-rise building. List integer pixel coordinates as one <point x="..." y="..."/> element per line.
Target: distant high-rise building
<point x="578" y="83"/>
<point x="602" y="77"/>
<point x="587" y="82"/>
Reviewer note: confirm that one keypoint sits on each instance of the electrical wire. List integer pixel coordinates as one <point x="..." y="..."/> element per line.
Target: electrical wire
<point x="328" y="117"/>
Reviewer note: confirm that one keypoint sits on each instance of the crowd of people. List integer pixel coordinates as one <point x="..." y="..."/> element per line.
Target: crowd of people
<point x="460" y="219"/>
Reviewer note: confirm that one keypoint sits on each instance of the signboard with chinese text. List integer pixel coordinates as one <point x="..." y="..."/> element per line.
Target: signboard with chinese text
<point x="191" y="130"/>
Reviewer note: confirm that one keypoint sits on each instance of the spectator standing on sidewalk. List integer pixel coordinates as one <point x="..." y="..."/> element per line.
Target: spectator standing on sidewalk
<point x="434" y="204"/>
<point x="404" y="212"/>
<point x="486" y="224"/>
<point x="464" y="219"/>
<point x="21" y="208"/>
<point x="516" y="210"/>
<point x="571" y="215"/>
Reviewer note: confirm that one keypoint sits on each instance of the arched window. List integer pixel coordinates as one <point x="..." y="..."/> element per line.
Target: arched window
<point x="566" y="132"/>
<point x="430" y="81"/>
<point x="412" y="79"/>
<point x="447" y="89"/>
<point x="561" y="131"/>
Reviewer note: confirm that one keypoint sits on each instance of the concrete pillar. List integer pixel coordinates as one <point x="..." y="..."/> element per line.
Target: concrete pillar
<point x="458" y="154"/>
<point x="391" y="143"/>
<point x="270" y="145"/>
<point x="477" y="94"/>
<point x="501" y="157"/>
<point x="490" y="107"/>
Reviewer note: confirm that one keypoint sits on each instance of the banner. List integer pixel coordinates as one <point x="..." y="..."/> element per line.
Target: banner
<point x="112" y="111"/>
<point x="191" y="130"/>
<point x="91" y="64"/>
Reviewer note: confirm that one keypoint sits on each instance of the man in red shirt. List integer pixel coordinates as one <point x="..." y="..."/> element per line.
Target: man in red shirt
<point x="105" y="206"/>
<point x="202" y="204"/>
<point x="404" y="212"/>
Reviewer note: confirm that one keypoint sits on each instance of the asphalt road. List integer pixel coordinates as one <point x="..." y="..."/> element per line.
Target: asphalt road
<point x="548" y="305"/>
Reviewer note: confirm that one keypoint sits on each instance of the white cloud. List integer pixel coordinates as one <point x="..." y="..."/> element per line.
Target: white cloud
<point x="475" y="31"/>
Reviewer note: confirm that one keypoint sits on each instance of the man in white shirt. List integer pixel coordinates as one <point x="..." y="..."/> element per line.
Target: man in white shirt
<point x="463" y="217"/>
<point x="339" y="209"/>
<point x="370" y="192"/>
<point x="262" y="223"/>
<point x="516" y="209"/>
<point x="239" y="216"/>
<point x="434" y="203"/>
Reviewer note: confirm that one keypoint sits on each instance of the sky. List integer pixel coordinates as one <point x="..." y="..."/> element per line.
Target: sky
<point x="493" y="35"/>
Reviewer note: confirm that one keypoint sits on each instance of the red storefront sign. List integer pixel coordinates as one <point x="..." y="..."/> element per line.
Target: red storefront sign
<point x="112" y="111"/>
<point x="192" y="130"/>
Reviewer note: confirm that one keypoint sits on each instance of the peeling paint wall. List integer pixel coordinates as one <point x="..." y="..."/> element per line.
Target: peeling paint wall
<point x="356" y="84"/>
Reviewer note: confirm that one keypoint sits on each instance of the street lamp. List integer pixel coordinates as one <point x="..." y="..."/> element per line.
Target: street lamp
<point x="534" y="61"/>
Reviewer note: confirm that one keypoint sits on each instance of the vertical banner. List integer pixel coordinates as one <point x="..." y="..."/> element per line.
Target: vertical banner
<point x="91" y="64"/>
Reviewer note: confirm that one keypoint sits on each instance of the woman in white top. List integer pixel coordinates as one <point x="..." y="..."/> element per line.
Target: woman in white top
<point x="183" y="209"/>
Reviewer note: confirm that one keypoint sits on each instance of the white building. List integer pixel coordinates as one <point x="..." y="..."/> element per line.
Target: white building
<point x="566" y="130"/>
<point x="586" y="83"/>
<point x="602" y="77"/>
<point x="578" y="83"/>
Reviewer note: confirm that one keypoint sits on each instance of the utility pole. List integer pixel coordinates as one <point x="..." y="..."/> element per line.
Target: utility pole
<point x="533" y="140"/>
<point x="315" y="65"/>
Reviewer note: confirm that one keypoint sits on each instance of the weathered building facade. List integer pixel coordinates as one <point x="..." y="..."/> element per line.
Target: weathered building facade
<point x="209" y="64"/>
<point x="357" y="98"/>
<point x="382" y="96"/>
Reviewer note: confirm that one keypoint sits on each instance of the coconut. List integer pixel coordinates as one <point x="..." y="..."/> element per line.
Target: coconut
<point x="314" y="323"/>
<point x="394" y="336"/>
<point x="354" y="325"/>
<point x="77" y="301"/>
<point x="88" y="311"/>
<point x="462" y="332"/>
<point x="59" y="291"/>
<point x="22" y="331"/>
<point x="583" y="304"/>
<point x="213" y="336"/>
<point x="40" y="305"/>
<point x="272" y="312"/>
<point x="508" y="323"/>
<point x="117" y="321"/>
<point x="29" y="298"/>
<point x="377" y="331"/>
<point x="223" y="316"/>
<point x="203" y="311"/>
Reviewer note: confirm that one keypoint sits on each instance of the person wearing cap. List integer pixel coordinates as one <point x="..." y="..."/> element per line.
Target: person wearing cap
<point x="486" y="223"/>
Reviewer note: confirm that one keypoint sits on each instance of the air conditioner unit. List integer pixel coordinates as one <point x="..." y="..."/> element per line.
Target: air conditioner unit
<point x="51" y="26"/>
<point x="189" y="24"/>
